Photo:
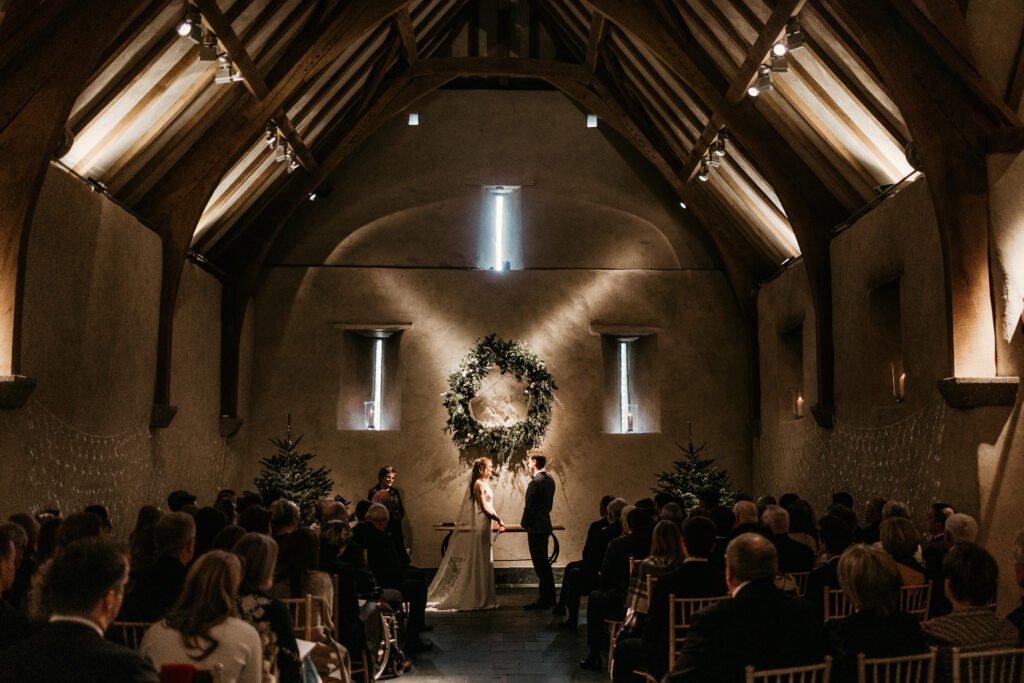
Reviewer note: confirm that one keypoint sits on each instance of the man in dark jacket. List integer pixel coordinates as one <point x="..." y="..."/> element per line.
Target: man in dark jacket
<point x="540" y="495"/>
<point x="581" y="582"/>
<point x="86" y="584"/>
<point x="158" y="586"/>
<point x="760" y="626"/>
<point x="585" y="569"/>
<point x="793" y="556"/>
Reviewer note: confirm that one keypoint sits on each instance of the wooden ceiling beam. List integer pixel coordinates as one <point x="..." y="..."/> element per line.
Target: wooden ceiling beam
<point x="175" y="205"/>
<point x="598" y="26"/>
<point x="403" y="22"/>
<point x="38" y="88"/>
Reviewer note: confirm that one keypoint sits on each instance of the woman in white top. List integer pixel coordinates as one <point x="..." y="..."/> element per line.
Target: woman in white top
<point x="202" y="628"/>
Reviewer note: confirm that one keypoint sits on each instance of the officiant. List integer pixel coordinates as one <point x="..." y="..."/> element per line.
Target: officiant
<point x="390" y="497"/>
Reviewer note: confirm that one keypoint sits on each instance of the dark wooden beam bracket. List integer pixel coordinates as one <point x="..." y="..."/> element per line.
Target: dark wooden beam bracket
<point x="15" y="391"/>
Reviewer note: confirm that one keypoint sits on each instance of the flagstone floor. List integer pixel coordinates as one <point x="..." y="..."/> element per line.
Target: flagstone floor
<point x="506" y="645"/>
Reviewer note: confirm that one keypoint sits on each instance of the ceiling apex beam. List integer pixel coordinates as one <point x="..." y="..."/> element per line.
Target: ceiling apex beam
<point x="493" y="67"/>
<point x="403" y="22"/>
<point x="598" y="30"/>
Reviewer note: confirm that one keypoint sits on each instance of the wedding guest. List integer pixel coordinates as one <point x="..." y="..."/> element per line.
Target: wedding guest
<point x="793" y="556"/>
<point x="177" y="500"/>
<point x="870" y="579"/>
<point x="158" y="587"/>
<point x="227" y="537"/>
<point x="203" y="627"/>
<point x="666" y="555"/>
<point x="255" y="519"/>
<point x="872" y="521"/>
<point x="588" y="565"/>
<point x="78" y="526"/>
<point x="268" y="615"/>
<point x="297" y="574"/>
<point x="895" y="508"/>
<point x="1016" y="617"/>
<point x="724" y="520"/>
<point x="971" y="577"/>
<point x="584" y="580"/>
<point x="46" y="544"/>
<point x="85" y="584"/>
<point x="746" y="517"/>
<point x="836" y="536"/>
<point x="901" y="540"/>
<point x="13" y="591"/>
<point x="209" y="522"/>
<point x="13" y="625"/>
<point x="29" y="561"/>
<point x="960" y="528"/>
<point x="761" y="625"/>
<point x="674" y="513"/>
<point x="103" y="513"/>
<point x="284" y="518"/>
<point x="843" y="498"/>
<point x="801" y="525"/>
<point x="142" y="541"/>
<point x="340" y="554"/>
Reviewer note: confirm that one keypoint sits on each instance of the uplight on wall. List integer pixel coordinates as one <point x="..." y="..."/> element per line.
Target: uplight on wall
<point x="414" y="119"/>
<point x="591" y="120"/>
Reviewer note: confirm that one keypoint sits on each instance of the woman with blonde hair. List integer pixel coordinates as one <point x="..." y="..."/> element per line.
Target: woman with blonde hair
<point x="666" y="556"/>
<point x="870" y="580"/>
<point x="203" y="627"/>
<point x="465" y="579"/>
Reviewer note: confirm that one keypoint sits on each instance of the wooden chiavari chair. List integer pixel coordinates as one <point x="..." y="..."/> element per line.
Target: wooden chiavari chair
<point x="837" y="605"/>
<point x="915" y="600"/>
<point x="128" y="633"/>
<point x="814" y="673"/>
<point x="988" y="666"/>
<point x="680" y="616"/>
<point x="909" y="669"/>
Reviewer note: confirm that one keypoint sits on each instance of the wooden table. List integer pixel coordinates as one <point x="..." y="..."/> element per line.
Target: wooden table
<point x="509" y="529"/>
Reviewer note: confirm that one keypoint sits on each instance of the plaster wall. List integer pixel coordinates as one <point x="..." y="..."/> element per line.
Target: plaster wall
<point x="918" y="450"/>
<point x="91" y="311"/>
<point x="702" y="368"/>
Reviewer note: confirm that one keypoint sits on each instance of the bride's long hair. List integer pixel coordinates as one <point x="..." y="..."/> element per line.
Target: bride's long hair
<point x="480" y="466"/>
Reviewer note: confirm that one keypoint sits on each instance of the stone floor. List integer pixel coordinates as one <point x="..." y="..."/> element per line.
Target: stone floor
<point x="508" y="644"/>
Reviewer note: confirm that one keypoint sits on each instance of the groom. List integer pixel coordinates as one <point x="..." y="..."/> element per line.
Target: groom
<point x="537" y="521"/>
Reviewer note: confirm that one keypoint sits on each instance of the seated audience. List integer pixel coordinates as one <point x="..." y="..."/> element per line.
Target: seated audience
<point x="389" y="496"/>
<point x="203" y="628"/>
<point x="580" y="576"/>
<point x="801" y="525"/>
<point x="666" y="555"/>
<point x="1016" y="617"/>
<point x="901" y="540"/>
<point x="793" y="556"/>
<point x="46" y="543"/>
<point x="103" y="513"/>
<point x="341" y="554"/>
<point x="836" y="536"/>
<point x="227" y="537"/>
<point x="724" y="520"/>
<point x="158" y="587"/>
<point x="894" y="508"/>
<point x="871" y="581"/>
<point x="268" y="615"/>
<point x="84" y="585"/>
<point x="29" y="563"/>
<point x="760" y="626"/>
<point x="255" y="519"/>
<point x="971" y="577"/>
<point x="10" y="591"/>
<point x="843" y="498"/>
<point x="674" y="513"/>
<point x="284" y="518"/>
<point x="178" y="500"/>
<point x="959" y="528"/>
<point x="746" y="517"/>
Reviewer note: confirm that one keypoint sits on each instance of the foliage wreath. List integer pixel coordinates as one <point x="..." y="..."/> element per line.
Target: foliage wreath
<point x="503" y="443"/>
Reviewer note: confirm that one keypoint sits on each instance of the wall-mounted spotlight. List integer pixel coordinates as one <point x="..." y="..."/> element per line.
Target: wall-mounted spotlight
<point x="779" y="64"/>
<point x="191" y="25"/>
<point x="208" y="49"/>
<point x="414" y="119"/>
<point x="794" y="34"/>
<point x="270" y="135"/>
<point x="705" y="170"/>
<point x="226" y="70"/>
<point x="283" y="151"/>
<point x="293" y="165"/>
<point x="763" y="82"/>
<point x="718" y="146"/>
<point x="591" y="120"/>
<point x="779" y="49"/>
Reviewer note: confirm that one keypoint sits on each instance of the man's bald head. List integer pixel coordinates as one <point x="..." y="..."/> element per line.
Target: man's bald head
<point x="750" y="557"/>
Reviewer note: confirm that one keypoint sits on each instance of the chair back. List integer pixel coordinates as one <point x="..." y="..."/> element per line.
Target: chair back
<point x="128" y="633"/>
<point x="304" y="617"/>
<point x="915" y="600"/>
<point x="792" y="582"/>
<point x="813" y="673"/>
<point x="909" y="669"/>
<point x="837" y="606"/>
<point x="651" y="581"/>
<point x="680" y="616"/>
<point x="988" y="666"/>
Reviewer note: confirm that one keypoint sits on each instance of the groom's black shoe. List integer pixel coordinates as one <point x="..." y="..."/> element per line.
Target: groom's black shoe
<point x="537" y="604"/>
<point x="592" y="662"/>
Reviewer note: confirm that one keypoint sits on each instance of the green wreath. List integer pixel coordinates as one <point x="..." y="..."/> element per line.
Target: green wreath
<point x="504" y="443"/>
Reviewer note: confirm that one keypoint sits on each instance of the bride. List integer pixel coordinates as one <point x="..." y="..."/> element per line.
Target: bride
<point x="465" y="579"/>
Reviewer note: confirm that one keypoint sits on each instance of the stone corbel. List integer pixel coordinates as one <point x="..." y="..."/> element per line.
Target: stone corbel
<point x="15" y="390"/>
<point x="979" y="392"/>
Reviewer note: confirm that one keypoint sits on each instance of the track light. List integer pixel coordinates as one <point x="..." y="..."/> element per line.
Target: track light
<point x="191" y="26"/>
<point x="682" y="204"/>
<point x="713" y="160"/>
<point x="764" y="78"/>
<point x="282" y="152"/>
<point x="718" y="147"/>
<point x="270" y="135"/>
<point x="226" y="70"/>
<point x="753" y="91"/>
<point x="311" y="196"/>
<point x="705" y="170"/>
<point x="779" y="49"/>
<point x="293" y="165"/>
<point x="794" y="34"/>
<point x="779" y="64"/>
<point x="208" y="51"/>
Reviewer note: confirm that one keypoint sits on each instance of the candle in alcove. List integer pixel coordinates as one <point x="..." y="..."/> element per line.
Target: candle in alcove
<point x="799" y="407"/>
<point x="629" y="422"/>
<point x="372" y="419"/>
<point x="902" y="387"/>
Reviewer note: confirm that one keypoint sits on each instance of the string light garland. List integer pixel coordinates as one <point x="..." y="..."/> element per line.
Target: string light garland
<point x="505" y="444"/>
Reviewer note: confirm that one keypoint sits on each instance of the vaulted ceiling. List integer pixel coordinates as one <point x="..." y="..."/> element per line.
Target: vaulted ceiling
<point x="328" y="72"/>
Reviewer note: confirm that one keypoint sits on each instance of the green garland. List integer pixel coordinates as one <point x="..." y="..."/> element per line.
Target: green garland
<point x="503" y="444"/>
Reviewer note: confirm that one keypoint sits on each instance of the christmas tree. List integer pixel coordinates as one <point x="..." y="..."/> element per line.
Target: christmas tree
<point x="692" y="474"/>
<point x="289" y="475"/>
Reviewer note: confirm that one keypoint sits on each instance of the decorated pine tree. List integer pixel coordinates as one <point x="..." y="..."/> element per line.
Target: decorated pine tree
<point x="289" y="473"/>
<point x="692" y="473"/>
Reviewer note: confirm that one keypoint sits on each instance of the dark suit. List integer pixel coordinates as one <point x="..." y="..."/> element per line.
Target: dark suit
<point x="1016" y="617"/>
<point x="13" y="625"/>
<point x="67" y="652"/>
<point x="895" y="635"/>
<point x="821" y="578"/>
<point x="762" y="626"/>
<point x="934" y="553"/>
<point x="581" y="577"/>
<point x="794" y="556"/>
<point x="609" y="601"/>
<point x="155" y="592"/>
<point x="382" y="559"/>
<point x="540" y="495"/>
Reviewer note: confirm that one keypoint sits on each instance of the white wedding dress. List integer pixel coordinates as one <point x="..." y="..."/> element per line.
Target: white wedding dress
<point x="465" y="579"/>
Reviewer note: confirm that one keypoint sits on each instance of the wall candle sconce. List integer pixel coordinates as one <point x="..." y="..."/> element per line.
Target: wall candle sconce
<point x="798" y="406"/>
<point x="631" y="417"/>
<point x="899" y="382"/>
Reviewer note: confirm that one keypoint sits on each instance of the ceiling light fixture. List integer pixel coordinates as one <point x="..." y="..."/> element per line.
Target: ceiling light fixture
<point x="779" y="64"/>
<point x="779" y="49"/>
<point x="191" y="25"/>
<point x="283" y="151"/>
<point x="705" y="170"/>
<point x="764" y="78"/>
<point x="414" y="119"/>
<point x="794" y="34"/>
<point x="591" y="120"/>
<point x="270" y="136"/>
<point x="208" y="49"/>
<point x="226" y="70"/>
<point x="753" y="91"/>
<point x="293" y="165"/>
<point x="718" y="148"/>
